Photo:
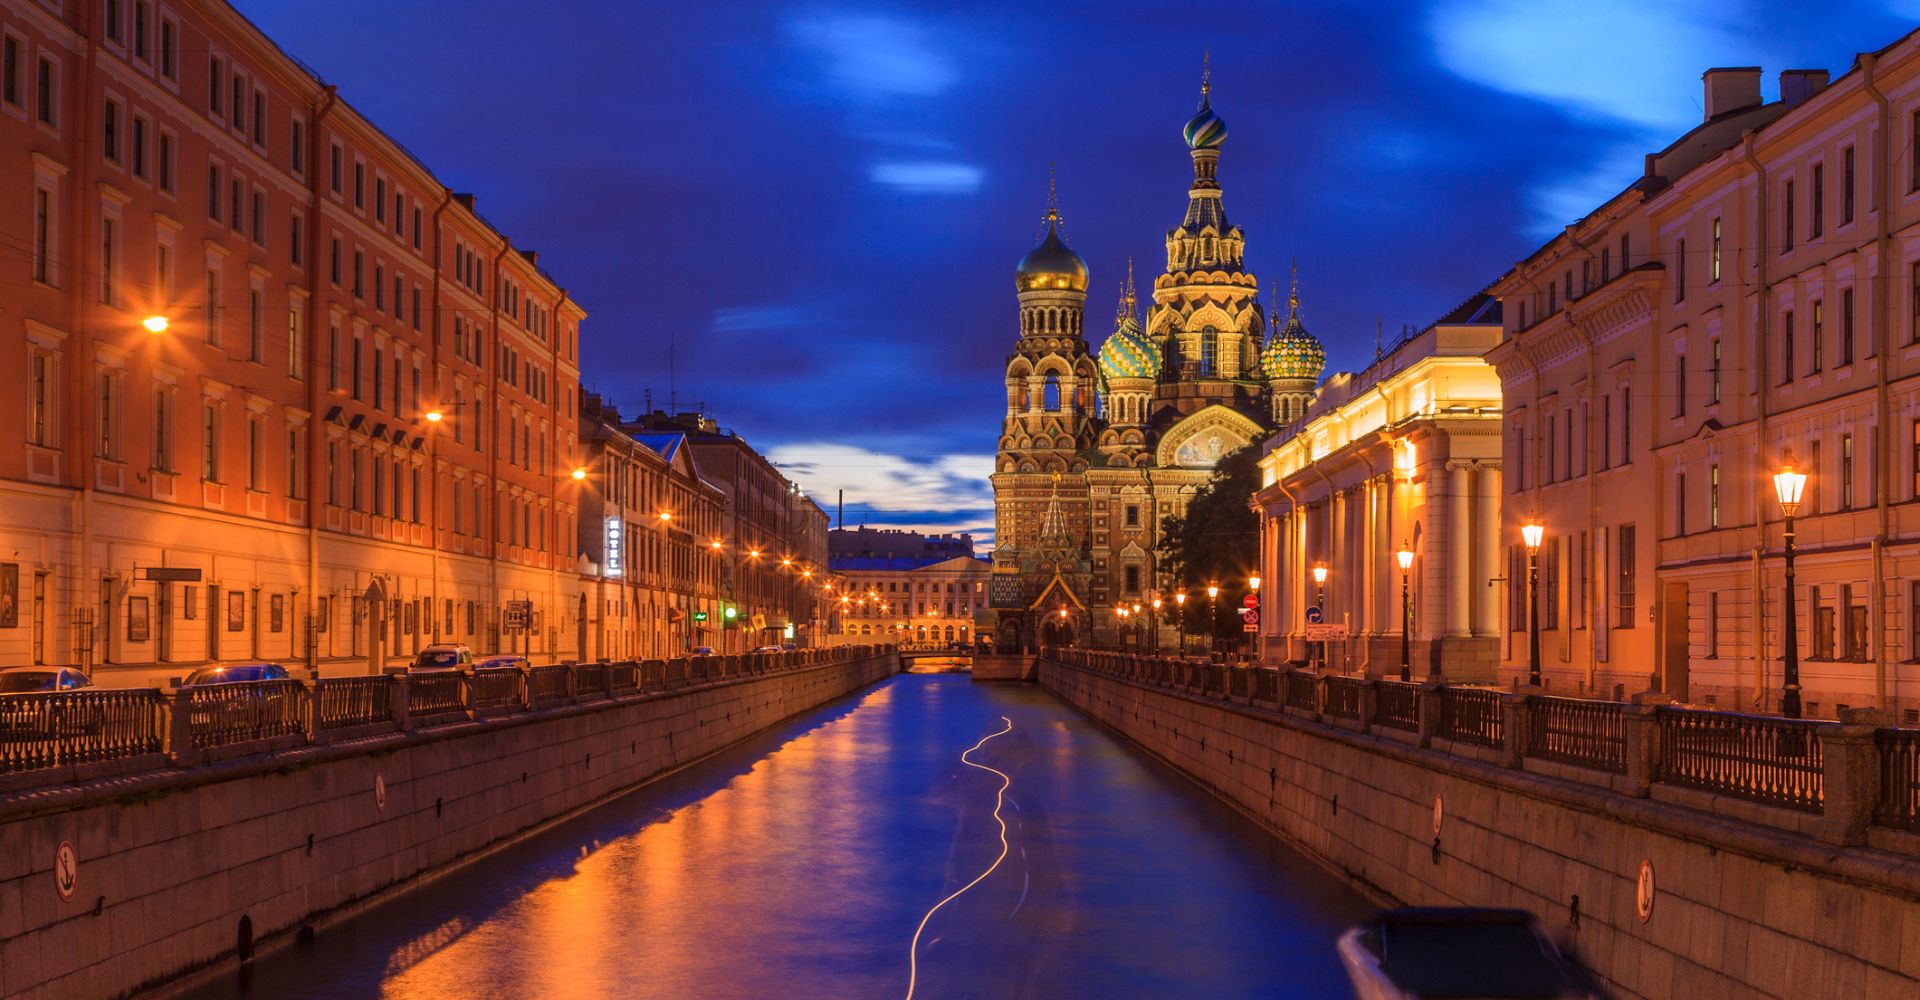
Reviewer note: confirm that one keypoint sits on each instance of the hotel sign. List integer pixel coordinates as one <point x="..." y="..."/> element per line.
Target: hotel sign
<point x="614" y="546"/>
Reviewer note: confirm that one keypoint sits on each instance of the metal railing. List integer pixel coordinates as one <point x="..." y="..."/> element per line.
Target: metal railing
<point x="1472" y="715"/>
<point x="490" y="688"/>
<point x="1575" y="731"/>
<point x="1343" y="697"/>
<point x="1396" y="705"/>
<point x="1759" y="758"/>
<point x="1299" y="691"/>
<point x="546" y="685"/>
<point x="623" y="678"/>
<point x="346" y="702"/>
<point x="1898" y="754"/>
<point x="589" y="680"/>
<point x="436" y="693"/>
<point x="245" y="712"/>
<point x="79" y="727"/>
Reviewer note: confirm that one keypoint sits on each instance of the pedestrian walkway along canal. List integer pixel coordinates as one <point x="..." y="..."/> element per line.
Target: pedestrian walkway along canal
<point x="800" y="863"/>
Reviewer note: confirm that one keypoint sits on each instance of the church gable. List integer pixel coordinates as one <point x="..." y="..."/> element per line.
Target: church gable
<point x="1203" y="439"/>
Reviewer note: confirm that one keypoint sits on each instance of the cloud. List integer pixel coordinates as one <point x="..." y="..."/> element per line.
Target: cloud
<point x="870" y="58"/>
<point x="926" y="177"/>
<point x="747" y="319"/>
<point x="888" y="482"/>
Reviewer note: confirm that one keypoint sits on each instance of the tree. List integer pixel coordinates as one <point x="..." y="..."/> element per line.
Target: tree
<point x="1217" y="539"/>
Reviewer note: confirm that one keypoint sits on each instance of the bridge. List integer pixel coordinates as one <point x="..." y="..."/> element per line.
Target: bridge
<point x="911" y="653"/>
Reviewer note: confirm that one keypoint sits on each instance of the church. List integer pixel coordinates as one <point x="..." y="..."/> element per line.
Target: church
<point x="1097" y="450"/>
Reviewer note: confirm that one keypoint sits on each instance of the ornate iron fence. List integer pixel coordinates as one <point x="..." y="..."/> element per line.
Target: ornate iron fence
<point x="1396" y="705"/>
<point x="1775" y="761"/>
<point x="1343" y="697"/>
<point x="494" y="687"/>
<point x="590" y="680"/>
<point x="1898" y="804"/>
<point x="1299" y="691"/>
<point x="1581" y="732"/>
<point x="56" y="729"/>
<point x="623" y="678"/>
<point x="345" y="702"/>
<point x="546" y="685"/>
<point x="1472" y="715"/>
<point x="436" y="693"/>
<point x="225" y="714"/>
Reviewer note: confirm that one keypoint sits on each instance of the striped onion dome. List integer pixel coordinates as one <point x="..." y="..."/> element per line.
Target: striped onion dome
<point x="1293" y="353"/>
<point x="1205" y="130"/>
<point x="1129" y="353"/>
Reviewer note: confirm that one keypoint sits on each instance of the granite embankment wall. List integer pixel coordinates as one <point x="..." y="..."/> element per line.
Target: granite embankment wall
<point x="1738" y="907"/>
<point x="179" y="867"/>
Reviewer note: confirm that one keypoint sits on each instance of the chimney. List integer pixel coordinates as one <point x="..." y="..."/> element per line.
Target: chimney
<point x="1731" y="89"/>
<point x="1796" y="85"/>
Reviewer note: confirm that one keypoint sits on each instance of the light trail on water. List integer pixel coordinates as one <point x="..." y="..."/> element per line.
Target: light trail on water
<point x="999" y="799"/>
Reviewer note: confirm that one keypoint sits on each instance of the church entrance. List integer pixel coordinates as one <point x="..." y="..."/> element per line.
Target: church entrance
<point x="1056" y="631"/>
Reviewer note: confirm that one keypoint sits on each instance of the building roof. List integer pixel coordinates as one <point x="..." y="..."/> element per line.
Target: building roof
<point x="896" y="564"/>
<point x="665" y="445"/>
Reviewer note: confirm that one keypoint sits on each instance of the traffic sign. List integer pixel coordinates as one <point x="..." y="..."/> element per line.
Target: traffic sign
<point x="1313" y="615"/>
<point x="519" y="614"/>
<point x="66" y="871"/>
<point x="1250" y="601"/>
<point x="1316" y="632"/>
<point x="1249" y="628"/>
<point x="1250" y="615"/>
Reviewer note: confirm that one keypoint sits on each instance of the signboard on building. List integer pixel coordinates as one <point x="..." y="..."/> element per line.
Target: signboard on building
<point x="1324" y="632"/>
<point x="615" y="538"/>
<point x="171" y="574"/>
<point x="519" y="614"/>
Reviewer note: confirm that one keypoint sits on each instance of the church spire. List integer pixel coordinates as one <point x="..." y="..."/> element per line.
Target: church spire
<point x="1293" y="292"/>
<point x="1127" y="300"/>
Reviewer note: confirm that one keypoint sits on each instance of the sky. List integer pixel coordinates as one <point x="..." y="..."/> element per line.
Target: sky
<point x="804" y="217"/>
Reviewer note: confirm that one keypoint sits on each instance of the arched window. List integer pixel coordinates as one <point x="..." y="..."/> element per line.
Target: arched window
<point x="1053" y="393"/>
<point x="1209" y="351"/>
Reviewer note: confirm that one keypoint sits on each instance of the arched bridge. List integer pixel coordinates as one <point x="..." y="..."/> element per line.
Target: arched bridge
<point x="912" y="652"/>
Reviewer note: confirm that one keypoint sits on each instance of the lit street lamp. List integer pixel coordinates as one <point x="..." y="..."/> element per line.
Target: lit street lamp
<point x="1213" y="617"/>
<point x="1320" y="601"/>
<point x="1253" y="585"/>
<point x="1181" y="600"/>
<point x="1156" y="625"/>
<point x="1405" y="556"/>
<point x="1531" y="533"/>
<point x="1787" y="488"/>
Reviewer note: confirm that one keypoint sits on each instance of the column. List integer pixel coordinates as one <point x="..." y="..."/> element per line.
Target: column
<point x="1459" y="552"/>
<point x="1487" y="546"/>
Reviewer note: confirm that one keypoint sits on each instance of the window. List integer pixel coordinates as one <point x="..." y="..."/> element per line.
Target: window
<point x="169" y="50"/>
<point x="1680" y="271"/>
<point x="141" y="12"/>
<point x="1786" y="348"/>
<point x="44" y="97"/>
<point x="1209" y="351"/>
<point x="1713" y="271"/>
<point x="213" y="306"/>
<point x="296" y="348"/>
<point x="137" y="147"/>
<point x="1624" y="578"/>
<point x="357" y="348"/>
<point x="215" y="83"/>
<point x="380" y="198"/>
<point x="256" y="334"/>
<point x="295" y="239"/>
<point x="42" y="235"/>
<point x="110" y="131"/>
<point x="162" y="428"/>
<point x="1913" y="307"/>
<point x="297" y="146"/>
<point x="214" y="187"/>
<point x="333" y="167"/>
<point x="1817" y="222"/>
<point x="359" y="273"/>
<point x="1817" y="339"/>
<point x="109" y="256"/>
<point x="1623" y="253"/>
<point x="416" y="227"/>
<point x="1822" y="625"/>
<point x="1626" y="424"/>
<point x="10" y="70"/>
<point x="163" y="161"/>
<point x="210" y="443"/>
<point x="1846" y="472"/>
<point x="1679" y="385"/>
<point x="1714" y="381"/>
<point x="1133" y="515"/>
<point x="359" y="185"/>
<point x="1680" y="504"/>
<point x="379" y="286"/>
<point x="1846" y="185"/>
<point x="259" y="218"/>
<point x="1713" y="624"/>
<point x="260" y="118"/>
<point x="255" y="474"/>
<point x="1811" y="495"/>
<point x="109" y="444"/>
<point x="1786" y="217"/>
<point x="1132" y="580"/>
<point x="1846" y="326"/>
<point x="43" y="387"/>
<point x="1606" y="264"/>
<point x="333" y="355"/>
<point x="1913" y="155"/>
<point x="1713" y="497"/>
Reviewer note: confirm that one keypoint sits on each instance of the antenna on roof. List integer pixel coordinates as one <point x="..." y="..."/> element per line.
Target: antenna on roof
<point x="1378" y="321"/>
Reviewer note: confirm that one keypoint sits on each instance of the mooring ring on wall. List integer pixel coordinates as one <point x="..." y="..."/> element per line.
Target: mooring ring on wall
<point x="1439" y="813"/>
<point x="380" y="792"/>
<point x="1643" y="892"/>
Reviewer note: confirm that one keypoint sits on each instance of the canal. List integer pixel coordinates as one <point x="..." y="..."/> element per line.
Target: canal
<point x="800" y="863"/>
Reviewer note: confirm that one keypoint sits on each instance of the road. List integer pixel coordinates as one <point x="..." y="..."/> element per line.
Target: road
<point x="800" y="863"/>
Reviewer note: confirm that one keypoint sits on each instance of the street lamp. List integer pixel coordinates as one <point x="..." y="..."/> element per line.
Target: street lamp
<point x="579" y="473"/>
<point x="1213" y="617"/>
<point x="1120" y="612"/>
<point x="1156" y="625"/>
<point x="1531" y="533"/>
<point x="1788" y="485"/>
<point x="1405" y="556"/>
<point x="1320" y="601"/>
<point x="1181" y="600"/>
<point x="1139" y="637"/>
<point x="155" y="324"/>
<point x="1253" y="584"/>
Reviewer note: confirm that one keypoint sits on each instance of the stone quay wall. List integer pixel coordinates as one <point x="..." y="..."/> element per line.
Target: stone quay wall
<point x="1738" y="899"/>
<point x="174" y="868"/>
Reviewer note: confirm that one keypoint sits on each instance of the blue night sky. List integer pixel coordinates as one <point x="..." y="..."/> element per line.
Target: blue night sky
<point x="822" y="203"/>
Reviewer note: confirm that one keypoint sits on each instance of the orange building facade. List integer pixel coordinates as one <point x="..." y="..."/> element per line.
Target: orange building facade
<point x="272" y="390"/>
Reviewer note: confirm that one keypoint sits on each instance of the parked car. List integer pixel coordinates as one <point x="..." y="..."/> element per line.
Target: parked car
<point x="442" y="656"/>
<point x="1424" y="952"/>
<point x="27" y="680"/>
<point x="24" y="719"/>
<point x="263" y="710"/>
<point x="503" y="660"/>
<point x="701" y="651"/>
<point x="235" y="674"/>
<point x="770" y="649"/>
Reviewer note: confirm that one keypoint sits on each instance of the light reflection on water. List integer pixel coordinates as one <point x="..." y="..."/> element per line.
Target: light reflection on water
<point x="799" y="863"/>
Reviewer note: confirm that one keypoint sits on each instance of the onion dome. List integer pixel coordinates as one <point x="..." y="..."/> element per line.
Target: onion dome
<point x="1052" y="264"/>
<point x="1293" y="353"/>
<point x="1129" y="352"/>
<point x="1205" y="130"/>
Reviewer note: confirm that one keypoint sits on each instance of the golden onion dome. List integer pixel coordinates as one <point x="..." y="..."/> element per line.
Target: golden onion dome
<point x="1052" y="264"/>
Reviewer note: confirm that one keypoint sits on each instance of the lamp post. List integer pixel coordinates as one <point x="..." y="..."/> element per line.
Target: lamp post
<point x="1531" y="533"/>
<point x="1320" y="601"/>
<point x="1180" y="599"/>
<point x="1120" y="612"/>
<point x="1213" y="618"/>
<point x="1139" y="632"/>
<point x="1405" y="557"/>
<point x="1156" y="625"/>
<point x="1253" y="585"/>
<point x="1787" y="487"/>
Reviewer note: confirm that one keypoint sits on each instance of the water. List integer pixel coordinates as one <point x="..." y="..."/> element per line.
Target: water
<point x="799" y="863"/>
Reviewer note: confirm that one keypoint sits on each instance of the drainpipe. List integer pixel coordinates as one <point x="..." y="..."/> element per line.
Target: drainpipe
<point x="1883" y="480"/>
<point x="1586" y="446"/>
<point x="1366" y="570"/>
<point x="1534" y="368"/>
<point x="1763" y="356"/>
<point x="1333" y="536"/>
<point x="316" y="434"/>
<point x="493" y="457"/>
<point x="553" y="479"/>
<point x="78" y="445"/>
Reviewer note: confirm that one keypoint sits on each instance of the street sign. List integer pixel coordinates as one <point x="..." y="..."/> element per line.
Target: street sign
<point x="1251" y="616"/>
<point x="1249" y="628"/>
<point x="1316" y="632"/>
<point x="519" y="614"/>
<point x="1313" y="615"/>
<point x="1250" y="601"/>
<point x="699" y="616"/>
